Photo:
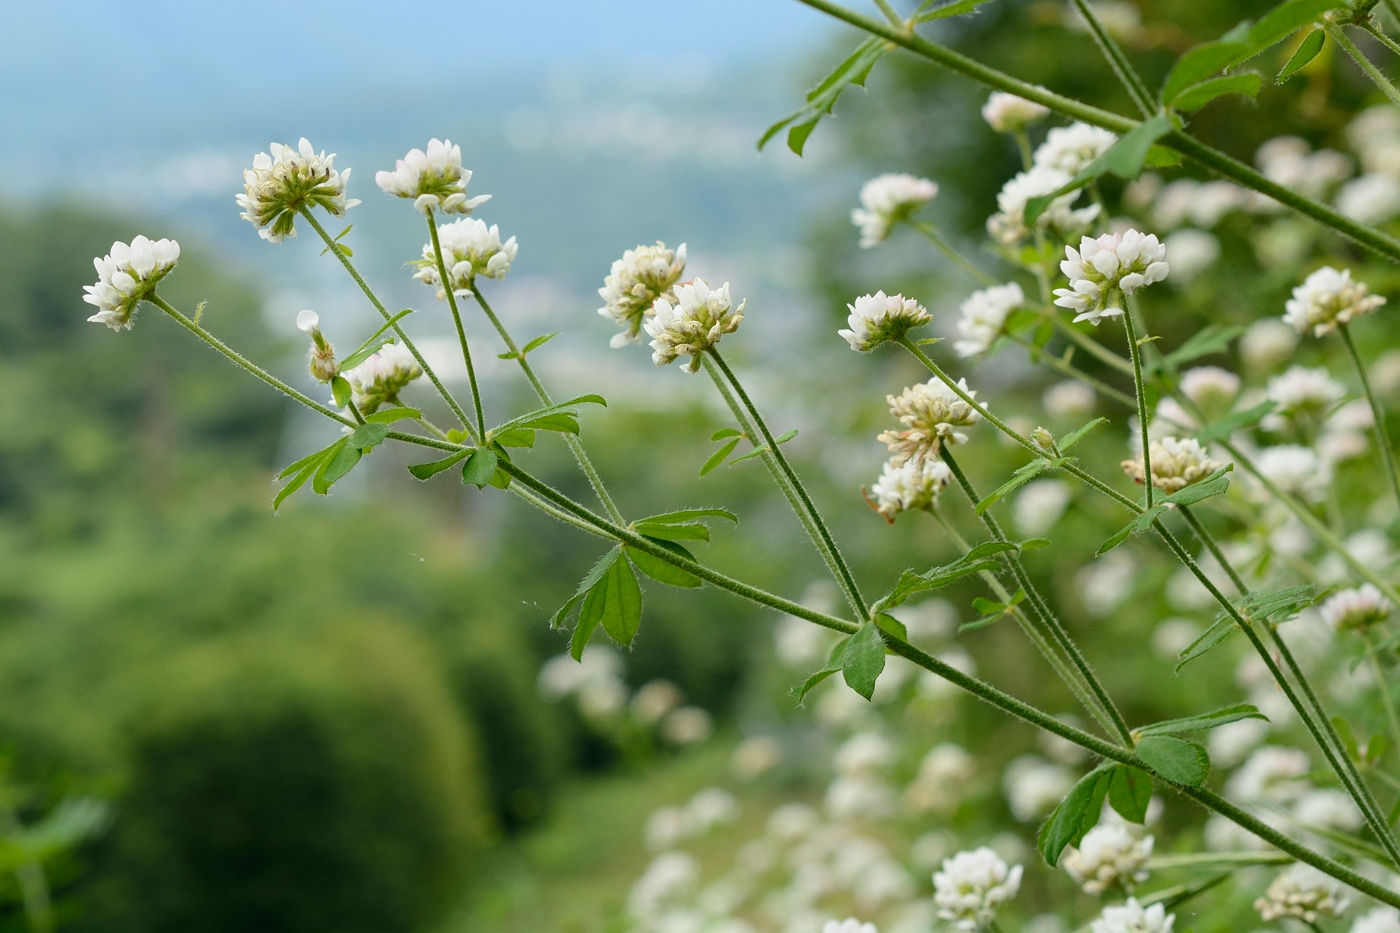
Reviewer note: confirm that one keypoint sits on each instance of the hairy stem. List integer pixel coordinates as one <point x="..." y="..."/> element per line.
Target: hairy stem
<point x="1117" y="60"/>
<point x="457" y="320"/>
<point x="1139" y="390"/>
<point x="931" y="233"/>
<point x="1040" y="355"/>
<point x="1377" y="413"/>
<point x="1380" y="36"/>
<point x="1340" y="37"/>
<point x="1383" y="685"/>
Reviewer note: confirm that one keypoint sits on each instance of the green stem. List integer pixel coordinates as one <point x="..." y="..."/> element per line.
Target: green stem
<point x="1177" y="140"/>
<point x="1040" y="355"/>
<point x="1140" y="391"/>
<point x="1377" y="413"/>
<point x="575" y="445"/>
<point x="1191" y="860"/>
<point x="1117" y="60"/>
<point x="384" y="313"/>
<point x="1340" y="37"/>
<point x="838" y="563"/>
<point x="29" y="872"/>
<point x="931" y="233"/>
<point x="1380" y="36"/>
<point x="1091" y="346"/>
<point x="1383" y="685"/>
<point x="457" y="319"/>
<point x="1116" y="723"/>
<point x="1023" y="146"/>
<point x="891" y="13"/>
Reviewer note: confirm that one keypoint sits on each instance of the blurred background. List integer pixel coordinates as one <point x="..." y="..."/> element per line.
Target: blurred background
<point x="344" y="716"/>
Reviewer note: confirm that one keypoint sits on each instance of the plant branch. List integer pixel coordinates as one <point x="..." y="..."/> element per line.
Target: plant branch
<point x="1140" y="391"/>
<point x="1117" y="60"/>
<point x="1377" y="413"/>
<point x="931" y="233"/>
<point x="457" y="320"/>
<point x="1340" y="37"/>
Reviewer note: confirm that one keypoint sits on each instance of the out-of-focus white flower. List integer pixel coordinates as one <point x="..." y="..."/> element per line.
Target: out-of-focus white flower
<point x="792" y="821"/>
<point x="710" y="808"/>
<point x="562" y="675"/>
<point x="1232" y="742"/>
<point x="1106" y="582"/>
<point x="1069" y="399"/>
<point x="877" y="318"/>
<point x="1288" y="161"/>
<point x="849" y="925"/>
<point x="668" y="880"/>
<point x="1369" y="546"/>
<point x="469" y="248"/>
<point x="689" y="725"/>
<point x="1211" y="388"/>
<point x="861" y="797"/>
<point x="1304" y="392"/>
<point x="1372" y="199"/>
<point x="382" y="376"/>
<point x="1172" y="636"/>
<point x="1034" y="786"/>
<point x="1007" y="113"/>
<point x="1267" y="343"/>
<point x="1328" y="808"/>
<point x="931" y="413"/>
<point x="1326" y="299"/>
<point x="1378" y="920"/>
<point x="666" y="828"/>
<point x="1007" y="226"/>
<point x="972" y="886"/>
<point x="1110" y="854"/>
<point x="800" y="644"/>
<point x="1304" y="892"/>
<point x="654" y="699"/>
<point x="1121" y="19"/>
<point x="943" y="777"/>
<point x="127" y="276"/>
<point x="1271" y="775"/>
<point x="1375" y="135"/>
<point x="983" y="317"/>
<point x="601" y="699"/>
<point x="1176" y="464"/>
<point x="1103" y="268"/>
<point x="1071" y="148"/>
<point x="693" y="323"/>
<point x="755" y="756"/>
<point x="636" y="280"/>
<point x="1201" y="203"/>
<point x="1192" y="251"/>
<point x="285" y="181"/>
<point x="914" y="484"/>
<point x="864" y="753"/>
<point x="1040" y="504"/>
<point x="886" y="200"/>
<point x="1357" y="608"/>
<point x="1346" y="433"/>
<point x="432" y="179"/>
<point x="1132" y="917"/>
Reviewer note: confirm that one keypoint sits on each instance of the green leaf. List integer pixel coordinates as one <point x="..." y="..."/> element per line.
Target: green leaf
<point x="892" y="625"/>
<point x="1283" y="604"/>
<point x="956" y="8"/>
<point x="1198" y="95"/>
<point x="340" y="388"/>
<point x="863" y="659"/>
<point x="371" y="346"/>
<point x="369" y="435"/>
<point x="1162" y="157"/>
<point x="719" y="456"/>
<point x="1221" y="430"/>
<point x="309" y="460"/>
<point x="1213" y="485"/>
<point x="756" y="452"/>
<point x="1174" y="759"/>
<point x="335" y="467"/>
<point x="1204" y="721"/>
<point x="515" y="437"/>
<point x="1136" y="527"/>
<point x="800" y="692"/>
<point x="784" y="438"/>
<point x="1077" y="435"/>
<point x="297" y="481"/>
<point x="589" y="617"/>
<point x="1284" y="20"/>
<point x="1307" y="50"/>
<point x="682" y="516"/>
<point x="1207" y="341"/>
<point x="621" y="602"/>
<point x="1075" y="815"/>
<point x="480" y="467"/>
<point x="557" y="417"/>
<point x="538" y="342"/>
<point x="722" y="433"/>
<point x="1199" y="64"/>
<point x="390" y="415"/>
<point x="659" y="570"/>
<point x="1018" y="479"/>
<point x="434" y="467"/>
<point x="911" y="583"/>
<point x="1208" y="640"/>
<point x="1124" y="158"/>
<point x="687" y="531"/>
<point x="1129" y="792"/>
<point x="822" y="98"/>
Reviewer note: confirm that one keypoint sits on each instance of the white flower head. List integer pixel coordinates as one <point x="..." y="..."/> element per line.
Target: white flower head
<point x="1326" y="299"/>
<point x="1071" y="148"/>
<point x="1211" y="388"/>
<point x="1033" y="786"/>
<point x="1109" y="855"/>
<point x="1192" y="252"/>
<point x="983" y="317"/>
<point x="1176" y="464"/>
<point x="469" y="248"/>
<point x="849" y="925"/>
<point x="878" y="318"/>
<point x="972" y="886"/>
<point x="931" y="413"/>
<point x="692" y="323"/>
<point x="1040" y="505"/>
<point x="640" y="277"/>
<point x="886" y="200"/>
<point x="1069" y="399"/>
<point x="1295" y="469"/>
<point x="910" y="485"/>
<point x="285" y="181"/>
<point x="1271" y="775"/>
<point x="1007" y="113"/>
<point x="1267" y="343"/>
<point x="1008" y="225"/>
<point x="432" y="179"/>
<point x="1378" y="920"/>
<point x="1304" y="892"/>
<point x="382" y="376"/>
<point x="1357" y="608"/>
<point x="1132" y="917"/>
<point x="1303" y="392"/>
<point x="127" y="276"/>
<point x="1103" y="268"/>
<point x="1372" y="199"/>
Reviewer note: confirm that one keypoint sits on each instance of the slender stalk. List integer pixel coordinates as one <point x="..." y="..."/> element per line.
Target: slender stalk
<point x="532" y="497"/>
<point x="1383" y="685"/>
<point x="1139" y="390"/>
<point x="1065" y="369"/>
<point x="384" y="313"/>
<point x="1380" y="36"/>
<point x="1116" y="723"/>
<point x="575" y="445"/>
<point x="1117" y="60"/>
<point x="457" y="319"/>
<point x="1377" y="413"/>
<point x="1023" y="146"/>
<point x="1192" y="859"/>
<point x="1340" y="37"/>
<point x="1178" y="140"/>
<point x="931" y="233"/>
<point x="1091" y="346"/>
<point x="29" y="872"/>
<point x="890" y="12"/>
<point x="833" y="554"/>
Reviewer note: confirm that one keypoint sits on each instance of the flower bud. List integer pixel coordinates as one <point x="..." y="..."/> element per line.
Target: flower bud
<point x="1043" y="438"/>
<point x="322" y="356"/>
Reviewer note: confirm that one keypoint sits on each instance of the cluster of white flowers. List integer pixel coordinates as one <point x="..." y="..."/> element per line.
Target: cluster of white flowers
<point x="1358" y="608"/>
<point x="126" y="276"/>
<point x="1040" y="504"/>
<point x="942" y="780"/>
<point x="880" y="318"/>
<point x="931" y="413"/>
<point x="1302" y="394"/>
<point x="469" y="248"/>
<point x="285" y="181"/>
<point x="668" y="827"/>
<point x="1200" y="203"/>
<point x="1103" y="269"/>
<point x="691" y="323"/>
<point x="885" y="201"/>
<point x="983" y="317"/>
<point x="1008" y="225"/>
<point x="1034" y="786"/>
<point x="1110" y="855"/>
<point x="1290" y="161"/>
<point x="1378" y="920"/>
<point x="1070" y="148"/>
<point x="1007" y="113"/>
<point x="972" y="886"/>
<point x="1132" y="917"/>
<point x="914" y="484"/>
<point x="1211" y="389"/>
<point x="1272" y="775"/>
<point x="432" y="179"/>
<point x="382" y="376"/>
<point x="1328" y="299"/>
<point x="849" y="925"/>
<point x="1176" y="464"/>
<point x="1303" y="892"/>
<point x="634" y="284"/>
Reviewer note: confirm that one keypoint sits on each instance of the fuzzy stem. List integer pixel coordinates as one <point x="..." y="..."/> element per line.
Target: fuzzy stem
<point x="1140" y="391"/>
<point x="1340" y="37"/>
<point x="457" y="320"/>
<point x="931" y="233"/>
<point x="1117" y="60"/>
<point x="1377" y="413"/>
<point x="1380" y="36"/>
<point x="1040" y="355"/>
<point x="1383" y="685"/>
<point x="891" y="13"/>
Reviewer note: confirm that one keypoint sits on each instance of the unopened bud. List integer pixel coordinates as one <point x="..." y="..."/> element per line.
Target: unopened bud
<point x="323" y="366"/>
<point x="1043" y="438"/>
